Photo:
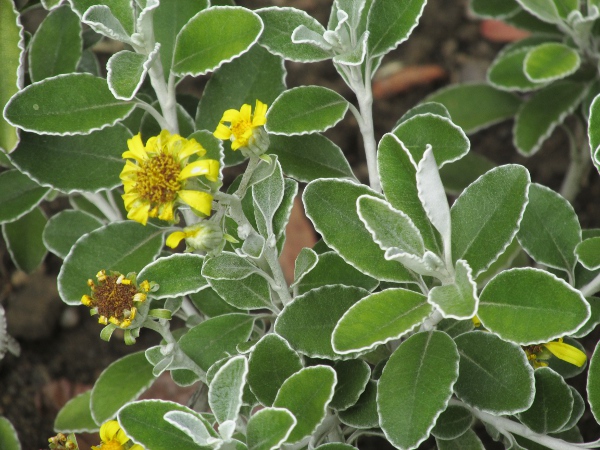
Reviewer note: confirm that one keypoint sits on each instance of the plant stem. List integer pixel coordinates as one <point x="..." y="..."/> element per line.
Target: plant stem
<point x="280" y="286"/>
<point x="592" y="287"/>
<point x="579" y="165"/>
<point x="103" y="205"/>
<point x="165" y="94"/>
<point x="507" y="425"/>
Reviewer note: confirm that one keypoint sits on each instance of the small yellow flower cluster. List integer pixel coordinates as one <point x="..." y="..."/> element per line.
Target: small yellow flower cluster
<point x="158" y="176"/>
<point x="115" y="298"/>
<point x="539" y="354"/>
<point x="114" y="438"/>
<point x="242" y="124"/>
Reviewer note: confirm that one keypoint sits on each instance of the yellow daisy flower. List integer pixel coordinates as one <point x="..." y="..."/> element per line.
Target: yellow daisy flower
<point x="114" y="438"/>
<point x="539" y="354"/>
<point x="242" y="124"/>
<point x="157" y="177"/>
<point x="115" y="298"/>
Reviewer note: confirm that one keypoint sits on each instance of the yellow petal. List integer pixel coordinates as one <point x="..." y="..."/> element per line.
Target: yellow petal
<point x="198" y="200"/>
<point x="246" y="112"/>
<point x="87" y="301"/>
<point x="260" y="112"/>
<point x="136" y="148"/>
<point x="129" y="199"/>
<point x="166" y="212"/>
<point x="567" y="353"/>
<point x="191" y="147"/>
<point x="231" y="115"/>
<point x="174" y="239"/>
<point x="197" y="168"/>
<point x="140" y="213"/>
<point x="109" y="430"/>
<point x="213" y="170"/>
<point x="222" y="132"/>
<point x="236" y="144"/>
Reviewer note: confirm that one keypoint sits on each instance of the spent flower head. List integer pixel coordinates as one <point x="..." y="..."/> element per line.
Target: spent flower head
<point x="245" y="130"/>
<point x="116" y="298"/>
<point x="114" y="438"/>
<point x="204" y="236"/>
<point x="158" y="177"/>
<point x="63" y="442"/>
<point x="538" y="355"/>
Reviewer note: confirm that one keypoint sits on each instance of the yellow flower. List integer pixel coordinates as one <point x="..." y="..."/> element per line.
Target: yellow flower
<point x="115" y="298"/>
<point x="242" y="124"/>
<point x="157" y="178"/>
<point x="114" y="438"/>
<point x="539" y="354"/>
<point x="204" y="236"/>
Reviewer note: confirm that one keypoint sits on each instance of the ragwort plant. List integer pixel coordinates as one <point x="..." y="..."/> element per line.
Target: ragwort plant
<point x="407" y="320"/>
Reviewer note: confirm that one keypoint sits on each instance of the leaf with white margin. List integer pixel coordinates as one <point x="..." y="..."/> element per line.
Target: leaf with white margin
<point x="353" y="376"/>
<point x="306" y="394"/>
<point x="421" y="131"/>
<point x="467" y="440"/>
<point x="588" y="253"/>
<point x="486" y="216"/>
<point x="551" y="61"/>
<point x="121" y="9"/>
<point x="101" y="19"/>
<point x="127" y="71"/>
<point x="550" y="230"/>
<point x="308" y="321"/>
<point x="305" y="261"/>
<point x="267" y="195"/>
<point x="56" y="45"/>
<point x="65" y="228"/>
<point x="415" y="387"/>
<point x="594" y="131"/>
<point x="226" y="389"/>
<point x="389" y="227"/>
<point x="429" y="264"/>
<point x="49" y="106"/>
<point x="494" y="9"/>
<point x="593" y="384"/>
<point x="543" y="112"/>
<point x="305" y="109"/>
<point x="228" y="266"/>
<point x="506" y="72"/>
<point x="457" y="300"/>
<point x="213" y="37"/>
<point x="121" y="382"/>
<point x="191" y="425"/>
<point x="176" y="275"/>
<point x="280" y="23"/>
<point x="528" y="306"/>
<point x="75" y="416"/>
<point x="268" y="428"/>
<point x="379" y="318"/>
<point x="433" y="197"/>
<point x="9" y="439"/>
<point x="23" y="238"/>
<point x="390" y="23"/>
<point x="544" y="10"/>
<point x="19" y="194"/>
<point x="484" y="381"/>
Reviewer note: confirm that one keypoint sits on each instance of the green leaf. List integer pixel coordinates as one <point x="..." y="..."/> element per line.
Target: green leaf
<point x="542" y="9"/>
<point x="8" y="435"/>
<point x="494" y="9"/>
<point x="390" y="24"/>
<point x="280" y="23"/>
<point x="311" y="156"/>
<point x="143" y="422"/>
<point x="415" y="387"/>
<point x="552" y="404"/>
<point x="594" y="131"/>
<point x="577" y="411"/>
<point x="56" y="46"/>
<point x="551" y="61"/>
<point x="460" y="174"/>
<point x="457" y="300"/>
<point x="12" y="75"/>
<point x="120" y="246"/>
<point x="24" y="242"/>
<point x="127" y="71"/>
<point x="252" y="292"/>
<point x="379" y="318"/>
<point x="363" y="414"/>
<point x="306" y="395"/>
<point x="228" y="266"/>
<point x="120" y="383"/>
<point x="264" y="79"/>
<point x="305" y="109"/>
<point x="211" y="304"/>
<point x="466" y="441"/>
<point x="550" y="229"/>
<point x="353" y="376"/>
<point x="267" y="195"/>
<point x="495" y="375"/>
<point x="226" y="389"/>
<point x="216" y="338"/>
<point x="76" y="416"/>
<point x="308" y="321"/>
<point x="398" y="172"/>
<point x="543" y="112"/>
<point x="176" y="275"/>
<point x="50" y="107"/>
<point x="268" y="428"/>
<point x="335" y="446"/>
<point x="74" y="163"/>
<point x="169" y="18"/>
<point x="121" y="9"/>
<point x="330" y="203"/>
<point x="588" y="253"/>
<point x="476" y="106"/>
<point x="593" y="384"/>
<point x="63" y="230"/>
<point x="448" y="141"/>
<point x="486" y="217"/>
<point x="529" y="306"/>
<point x="332" y="269"/>
<point x="271" y="363"/>
<point x="213" y="37"/>
<point x="506" y="72"/>
<point x="19" y="194"/>
<point x="452" y="423"/>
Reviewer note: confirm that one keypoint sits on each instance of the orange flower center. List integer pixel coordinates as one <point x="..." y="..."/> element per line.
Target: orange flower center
<point x="240" y="128"/>
<point x="158" y="181"/>
<point x="112" y="299"/>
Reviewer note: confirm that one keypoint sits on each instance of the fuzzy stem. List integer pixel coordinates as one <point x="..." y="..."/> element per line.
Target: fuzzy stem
<point x="592" y="287"/>
<point x="579" y="165"/>
<point x="103" y="205"/>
